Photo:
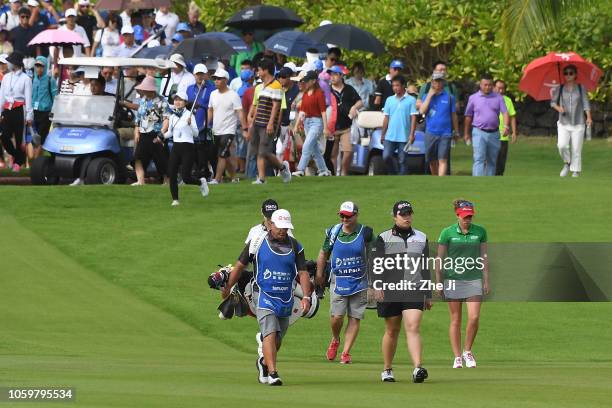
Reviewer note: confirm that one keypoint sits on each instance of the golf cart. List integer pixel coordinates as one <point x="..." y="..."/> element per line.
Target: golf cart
<point x="367" y="156"/>
<point x="84" y="141"/>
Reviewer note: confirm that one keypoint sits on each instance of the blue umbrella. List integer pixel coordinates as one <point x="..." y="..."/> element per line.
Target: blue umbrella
<point x="163" y="51"/>
<point x="230" y="39"/>
<point x="293" y="44"/>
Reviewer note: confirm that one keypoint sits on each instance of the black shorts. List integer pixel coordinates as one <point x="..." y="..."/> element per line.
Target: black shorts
<point x="392" y="309"/>
<point x="224" y="143"/>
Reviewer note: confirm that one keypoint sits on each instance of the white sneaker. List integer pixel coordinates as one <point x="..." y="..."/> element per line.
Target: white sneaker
<point x="576" y="174"/>
<point x="259" y="181"/>
<point x="285" y="173"/>
<point x="213" y="182"/>
<point x="203" y="187"/>
<point x="77" y="182"/>
<point x="235" y="180"/>
<point x="564" y="170"/>
<point x="259" y="344"/>
<point x="175" y="203"/>
<point x="325" y="173"/>
<point x="136" y="184"/>
<point x="387" y="375"/>
<point x="458" y="363"/>
<point x="298" y="173"/>
<point x="262" y="371"/>
<point x="470" y="361"/>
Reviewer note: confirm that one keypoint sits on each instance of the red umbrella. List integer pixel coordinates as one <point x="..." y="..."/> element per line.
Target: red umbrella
<point x="57" y="37"/>
<point x="544" y="74"/>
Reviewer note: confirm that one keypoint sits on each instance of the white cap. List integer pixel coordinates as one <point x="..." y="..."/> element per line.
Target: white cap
<point x="299" y="76"/>
<point x="153" y="43"/>
<point x="291" y="66"/>
<point x="221" y="73"/>
<point x="178" y="59"/>
<point x="14" y="1"/>
<point x="33" y="3"/>
<point x="127" y="29"/>
<point x="281" y="219"/>
<point x="348" y="208"/>
<point x="220" y="65"/>
<point x="324" y="23"/>
<point x="182" y="95"/>
<point x="70" y="13"/>
<point x="200" y="69"/>
<point x="84" y="3"/>
<point x="3" y="58"/>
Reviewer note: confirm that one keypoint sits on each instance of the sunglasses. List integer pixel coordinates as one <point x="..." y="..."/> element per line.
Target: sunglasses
<point x="346" y="217"/>
<point x="464" y="204"/>
<point x="568" y="73"/>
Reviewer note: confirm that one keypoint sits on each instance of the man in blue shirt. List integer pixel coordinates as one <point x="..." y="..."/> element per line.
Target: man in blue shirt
<point x="206" y="151"/>
<point x="440" y="120"/>
<point x="398" y="125"/>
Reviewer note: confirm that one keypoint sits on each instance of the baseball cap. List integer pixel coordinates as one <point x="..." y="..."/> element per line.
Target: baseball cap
<point x="183" y="27"/>
<point x="299" y="76"/>
<point x="127" y="29"/>
<point x="438" y="75"/>
<point x="348" y="208"/>
<point x="83" y="2"/>
<point x="402" y="207"/>
<point x="285" y="72"/>
<point x="70" y="13"/>
<point x="33" y="3"/>
<point x="181" y="95"/>
<point x="291" y="66"/>
<point x="246" y="74"/>
<point x="318" y="65"/>
<point x="268" y="207"/>
<point x="14" y="1"/>
<point x="464" y="209"/>
<point x="221" y="73"/>
<point x="338" y="69"/>
<point x="310" y="75"/>
<point x="178" y="37"/>
<point x="396" y="64"/>
<point x="200" y="69"/>
<point x="3" y="58"/>
<point x="281" y="219"/>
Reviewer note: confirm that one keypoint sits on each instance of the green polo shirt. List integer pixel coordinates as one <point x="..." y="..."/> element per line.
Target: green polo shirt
<point x="344" y="237"/>
<point x="464" y="246"/>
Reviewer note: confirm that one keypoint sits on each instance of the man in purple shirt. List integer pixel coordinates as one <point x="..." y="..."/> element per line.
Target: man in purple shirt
<point x="482" y="112"/>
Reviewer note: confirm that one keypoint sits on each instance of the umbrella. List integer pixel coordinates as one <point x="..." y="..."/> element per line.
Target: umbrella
<point x="263" y="16"/>
<point x="163" y="51"/>
<point x="544" y="74"/>
<point x="131" y="4"/>
<point x="196" y="48"/>
<point x="293" y="43"/>
<point x="57" y="38"/>
<point x="231" y="39"/>
<point x="347" y="36"/>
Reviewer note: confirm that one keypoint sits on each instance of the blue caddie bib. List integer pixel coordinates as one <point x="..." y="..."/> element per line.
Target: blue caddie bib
<point x="275" y="273"/>
<point x="348" y="264"/>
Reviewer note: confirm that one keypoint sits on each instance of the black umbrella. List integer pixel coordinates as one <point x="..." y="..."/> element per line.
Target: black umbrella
<point x="197" y="48"/>
<point x="347" y="36"/>
<point x="163" y="51"/>
<point x="263" y="16"/>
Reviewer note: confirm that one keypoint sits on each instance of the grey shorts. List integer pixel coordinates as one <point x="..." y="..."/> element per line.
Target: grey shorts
<point x="463" y="289"/>
<point x="260" y="142"/>
<point x="270" y="323"/>
<point x="354" y="305"/>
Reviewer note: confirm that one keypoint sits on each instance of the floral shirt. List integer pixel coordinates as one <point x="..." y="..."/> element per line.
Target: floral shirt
<point x="151" y="114"/>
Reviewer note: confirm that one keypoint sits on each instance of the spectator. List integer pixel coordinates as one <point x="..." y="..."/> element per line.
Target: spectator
<point x="48" y="10"/>
<point x="167" y="19"/>
<point x="348" y="105"/>
<point x="364" y="86"/>
<point x="399" y="110"/>
<point x="253" y="48"/>
<point x="199" y="97"/>
<point x="69" y="84"/>
<point x="126" y="17"/>
<point x="23" y="34"/>
<point x="482" y="111"/>
<point x="44" y="90"/>
<point x="71" y="25"/>
<point x="572" y="103"/>
<point x="151" y="112"/>
<point x="333" y="57"/>
<point x="314" y="119"/>
<point x="108" y="38"/>
<point x="176" y="39"/>
<point x="290" y="91"/>
<point x="87" y="20"/>
<point x="15" y="105"/>
<point x="250" y="165"/>
<point x="449" y="87"/>
<point x="441" y="119"/>
<point x="3" y="65"/>
<point x="265" y="114"/>
<point x="37" y="20"/>
<point x="128" y="47"/>
<point x="225" y="111"/>
<point x="111" y="82"/>
<point x="193" y="17"/>
<point x="184" y="30"/>
<point x="236" y="83"/>
<point x="139" y="34"/>
<point x="10" y="19"/>
<point x="500" y="88"/>
<point x="179" y="79"/>
<point x="384" y="88"/>
<point x="5" y="45"/>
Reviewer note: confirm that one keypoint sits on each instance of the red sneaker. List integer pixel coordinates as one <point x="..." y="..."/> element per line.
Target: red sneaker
<point x="345" y="358"/>
<point x="332" y="350"/>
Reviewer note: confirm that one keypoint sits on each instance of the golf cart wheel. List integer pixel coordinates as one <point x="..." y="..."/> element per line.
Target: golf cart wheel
<point x="43" y="171"/>
<point x="101" y="170"/>
<point x="377" y="166"/>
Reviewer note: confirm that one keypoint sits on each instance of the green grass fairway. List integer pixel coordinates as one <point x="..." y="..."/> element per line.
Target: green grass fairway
<point x="104" y="289"/>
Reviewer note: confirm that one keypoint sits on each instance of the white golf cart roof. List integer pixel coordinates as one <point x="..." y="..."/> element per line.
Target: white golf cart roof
<point x="122" y="62"/>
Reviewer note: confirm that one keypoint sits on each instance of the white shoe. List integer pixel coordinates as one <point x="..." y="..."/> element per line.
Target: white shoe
<point x="235" y="180"/>
<point x="213" y="181"/>
<point x="298" y="173"/>
<point x="136" y="184"/>
<point x="325" y="173"/>
<point x="387" y="375"/>
<point x="77" y="182"/>
<point x="470" y="361"/>
<point x="576" y="174"/>
<point x="564" y="170"/>
<point x="262" y="371"/>
<point x="285" y="173"/>
<point x="203" y="187"/>
<point x="458" y="363"/>
<point x="259" y="181"/>
<point x="175" y="203"/>
<point x="259" y="344"/>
